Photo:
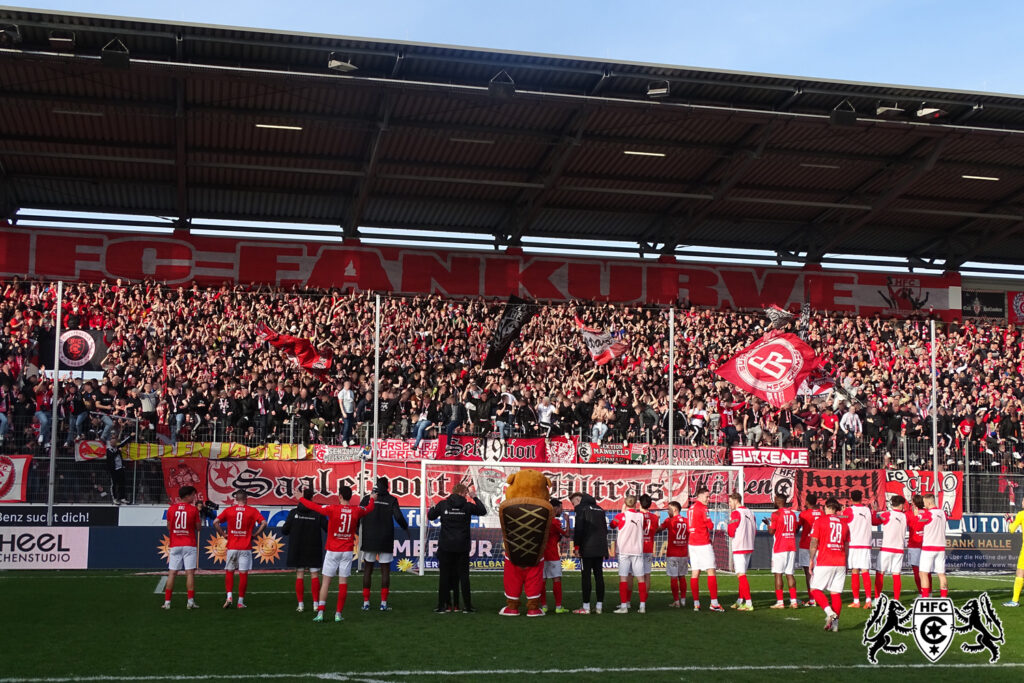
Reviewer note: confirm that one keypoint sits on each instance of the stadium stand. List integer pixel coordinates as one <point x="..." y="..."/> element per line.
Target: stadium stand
<point x="186" y="364"/>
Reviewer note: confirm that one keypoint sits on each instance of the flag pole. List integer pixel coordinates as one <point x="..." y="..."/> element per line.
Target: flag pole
<point x="935" y="422"/>
<point x="52" y="484"/>
<point x="376" y="388"/>
<point x="671" y="382"/>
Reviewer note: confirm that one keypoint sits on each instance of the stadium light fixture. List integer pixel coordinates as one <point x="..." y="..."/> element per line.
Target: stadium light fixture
<point x="924" y="112"/>
<point x="636" y="153"/>
<point x="10" y="35"/>
<point x="115" y="55"/>
<point x="472" y="141"/>
<point x="336" y="62"/>
<point x="77" y="112"/>
<point x="979" y="177"/>
<point x="843" y="115"/>
<point x="656" y="90"/>
<point x="62" y="41"/>
<point x="889" y="111"/>
<point x="502" y="85"/>
<point x="277" y="126"/>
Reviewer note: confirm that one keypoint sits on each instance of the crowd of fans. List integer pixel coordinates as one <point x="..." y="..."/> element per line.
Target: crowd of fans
<point x="185" y="363"/>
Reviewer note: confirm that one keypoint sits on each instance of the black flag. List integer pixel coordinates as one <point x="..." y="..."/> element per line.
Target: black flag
<point x="79" y="350"/>
<point x="515" y="316"/>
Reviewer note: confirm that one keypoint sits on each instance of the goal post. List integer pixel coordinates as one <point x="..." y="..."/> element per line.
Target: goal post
<point x="609" y="484"/>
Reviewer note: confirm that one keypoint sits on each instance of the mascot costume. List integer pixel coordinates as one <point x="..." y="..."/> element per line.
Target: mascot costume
<point x="525" y="520"/>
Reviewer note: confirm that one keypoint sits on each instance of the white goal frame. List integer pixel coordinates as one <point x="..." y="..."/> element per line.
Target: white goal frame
<point x="424" y="525"/>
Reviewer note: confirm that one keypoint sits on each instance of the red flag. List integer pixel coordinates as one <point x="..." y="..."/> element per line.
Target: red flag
<point x="771" y="368"/>
<point x="301" y="351"/>
<point x="601" y="345"/>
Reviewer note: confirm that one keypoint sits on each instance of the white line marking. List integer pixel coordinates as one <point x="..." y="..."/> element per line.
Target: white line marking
<point x="160" y="585"/>
<point x="374" y="676"/>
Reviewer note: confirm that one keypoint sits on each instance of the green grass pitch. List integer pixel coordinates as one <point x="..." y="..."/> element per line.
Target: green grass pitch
<point x="107" y="626"/>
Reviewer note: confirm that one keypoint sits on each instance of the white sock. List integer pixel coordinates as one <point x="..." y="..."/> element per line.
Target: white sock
<point x="643" y="604"/>
<point x="302" y="604"/>
<point x="191" y="601"/>
<point x="682" y="601"/>
<point x="229" y="596"/>
<point x="366" y="602"/>
<point x="167" y="602"/>
<point x="750" y="603"/>
<point x="714" y="603"/>
<point x="600" y="605"/>
<point x="829" y="612"/>
<point x="241" y="601"/>
<point x="586" y="606"/>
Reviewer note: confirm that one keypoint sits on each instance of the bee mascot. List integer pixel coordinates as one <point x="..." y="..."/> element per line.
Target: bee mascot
<point x="525" y="520"/>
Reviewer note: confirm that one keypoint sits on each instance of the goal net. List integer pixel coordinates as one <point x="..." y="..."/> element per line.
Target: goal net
<point x="608" y="484"/>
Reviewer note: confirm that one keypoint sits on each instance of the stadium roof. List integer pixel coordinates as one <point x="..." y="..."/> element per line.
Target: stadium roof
<point x="241" y="124"/>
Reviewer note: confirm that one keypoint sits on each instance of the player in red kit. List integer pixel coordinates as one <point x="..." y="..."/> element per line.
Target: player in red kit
<point x="553" y="559"/>
<point x="651" y="521"/>
<point x="783" y="524"/>
<point x="830" y="540"/>
<point x="676" y="554"/>
<point x="183" y="521"/>
<point x="342" y="526"/>
<point x="914" y="539"/>
<point x="240" y="520"/>
<point x="702" y="555"/>
<point x="808" y="517"/>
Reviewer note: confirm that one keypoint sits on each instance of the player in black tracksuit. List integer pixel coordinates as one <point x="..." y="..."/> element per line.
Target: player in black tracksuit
<point x="590" y="543"/>
<point x="304" y="529"/>
<point x="377" y="542"/>
<point x="453" y="547"/>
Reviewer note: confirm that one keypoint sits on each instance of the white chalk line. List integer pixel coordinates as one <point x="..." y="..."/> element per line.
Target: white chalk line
<point x="376" y="676"/>
<point x="160" y="585"/>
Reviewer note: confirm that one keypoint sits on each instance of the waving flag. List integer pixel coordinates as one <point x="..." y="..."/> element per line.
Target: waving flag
<point x="299" y="350"/>
<point x="778" y="318"/>
<point x="601" y="345"/>
<point x="816" y="384"/>
<point x="513" y="319"/>
<point x="771" y="368"/>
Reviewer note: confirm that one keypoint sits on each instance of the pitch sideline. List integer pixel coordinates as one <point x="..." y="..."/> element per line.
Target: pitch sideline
<point x="368" y="676"/>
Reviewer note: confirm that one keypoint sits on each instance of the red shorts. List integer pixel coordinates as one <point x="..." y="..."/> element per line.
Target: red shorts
<point x="518" y="579"/>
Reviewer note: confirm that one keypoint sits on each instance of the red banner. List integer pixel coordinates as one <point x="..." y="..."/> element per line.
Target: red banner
<point x="771" y="457"/>
<point x="603" y="452"/>
<point x="608" y="486"/>
<point x="909" y="482"/>
<point x="280" y="482"/>
<point x="401" y="449"/>
<point x="180" y="472"/>
<point x="93" y="255"/>
<point x="1015" y="307"/>
<point x="14" y="477"/>
<point x="491" y="450"/>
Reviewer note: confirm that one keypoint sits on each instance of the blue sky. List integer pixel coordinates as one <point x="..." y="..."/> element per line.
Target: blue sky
<point x="934" y="43"/>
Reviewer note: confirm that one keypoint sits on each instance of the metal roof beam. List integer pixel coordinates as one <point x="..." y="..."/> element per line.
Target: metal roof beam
<point x="740" y="162"/>
<point x="919" y="169"/>
<point x="982" y="218"/>
<point x="526" y="208"/>
<point x="350" y="226"/>
<point x="181" y="153"/>
<point x="991" y="238"/>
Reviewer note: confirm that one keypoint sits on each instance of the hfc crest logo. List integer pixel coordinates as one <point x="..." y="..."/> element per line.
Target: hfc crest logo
<point x="934" y="622"/>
